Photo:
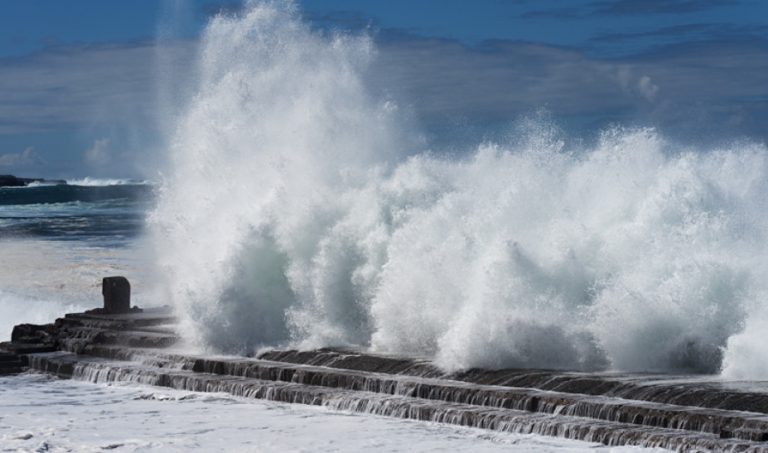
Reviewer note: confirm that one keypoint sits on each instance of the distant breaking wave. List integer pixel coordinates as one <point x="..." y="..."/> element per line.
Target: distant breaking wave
<point x="68" y="193"/>
<point x="92" y="182"/>
<point x="297" y="212"/>
<point x="87" y="182"/>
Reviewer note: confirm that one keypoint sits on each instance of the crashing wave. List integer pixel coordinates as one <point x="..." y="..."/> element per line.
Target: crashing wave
<point x="296" y="211"/>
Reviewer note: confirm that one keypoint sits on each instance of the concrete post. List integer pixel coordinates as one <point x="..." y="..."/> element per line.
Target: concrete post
<point x="117" y="294"/>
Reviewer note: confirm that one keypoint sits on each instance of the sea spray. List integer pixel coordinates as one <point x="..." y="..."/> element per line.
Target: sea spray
<point x="280" y="126"/>
<point x="42" y="278"/>
<point x="296" y="211"/>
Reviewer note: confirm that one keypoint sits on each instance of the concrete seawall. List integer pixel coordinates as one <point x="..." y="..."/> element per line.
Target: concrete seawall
<point x="676" y="412"/>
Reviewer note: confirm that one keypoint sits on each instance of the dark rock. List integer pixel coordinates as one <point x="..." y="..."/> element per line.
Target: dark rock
<point x="27" y="348"/>
<point x="13" y="181"/>
<point x="8" y="357"/>
<point x="32" y="333"/>
<point x="117" y="295"/>
<point x="103" y="311"/>
<point x="11" y="363"/>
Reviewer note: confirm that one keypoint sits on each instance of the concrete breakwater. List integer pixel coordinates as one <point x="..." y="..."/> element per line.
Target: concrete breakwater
<point x="685" y="413"/>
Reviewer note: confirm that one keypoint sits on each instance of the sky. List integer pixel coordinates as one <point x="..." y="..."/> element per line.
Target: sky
<point x="81" y="82"/>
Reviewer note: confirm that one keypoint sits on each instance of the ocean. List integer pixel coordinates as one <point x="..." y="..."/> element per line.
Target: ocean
<point x="56" y="243"/>
<point x="299" y="208"/>
<point x="99" y="213"/>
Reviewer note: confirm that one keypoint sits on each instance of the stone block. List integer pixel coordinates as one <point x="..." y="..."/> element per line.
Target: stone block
<point x="117" y="295"/>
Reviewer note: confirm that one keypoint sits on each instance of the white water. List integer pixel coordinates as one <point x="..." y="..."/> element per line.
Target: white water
<point x="38" y="413"/>
<point x="42" y="280"/>
<point x="296" y="211"/>
<point x="89" y="182"/>
<point x="98" y="182"/>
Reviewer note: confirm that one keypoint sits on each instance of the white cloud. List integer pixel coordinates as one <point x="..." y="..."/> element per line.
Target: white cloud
<point x="647" y="88"/>
<point x="115" y="88"/>
<point x="506" y="79"/>
<point x="98" y="154"/>
<point x="82" y="86"/>
<point x="25" y="158"/>
<point x="641" y="86"/>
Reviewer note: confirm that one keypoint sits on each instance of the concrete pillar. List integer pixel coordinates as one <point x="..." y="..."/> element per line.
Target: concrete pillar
<point x="117" y="294"/>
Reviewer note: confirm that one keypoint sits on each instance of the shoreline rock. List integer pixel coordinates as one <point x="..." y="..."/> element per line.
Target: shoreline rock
<point x="15" y="181"/>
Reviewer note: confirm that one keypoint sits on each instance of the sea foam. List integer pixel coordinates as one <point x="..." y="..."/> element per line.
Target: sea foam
<point x="99" y="182"/>
<point x="297" y="211"/>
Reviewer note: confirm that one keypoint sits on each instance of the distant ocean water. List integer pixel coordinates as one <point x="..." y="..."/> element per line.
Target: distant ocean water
<point x="300" y="209"/>
<point x="58" y="241"/>
<point x="103" y="213"/>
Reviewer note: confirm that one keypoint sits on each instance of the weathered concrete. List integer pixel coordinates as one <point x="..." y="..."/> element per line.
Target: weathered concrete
<point x="10" y="363"/>
<point x="616" y="409"/>
<point x="117" y="295"/>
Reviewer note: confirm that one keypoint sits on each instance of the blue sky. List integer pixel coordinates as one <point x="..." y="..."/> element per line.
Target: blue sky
<point x="79" y="80"/>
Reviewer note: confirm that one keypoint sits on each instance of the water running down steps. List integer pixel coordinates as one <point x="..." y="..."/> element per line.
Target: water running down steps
<point x="614" y="409"/>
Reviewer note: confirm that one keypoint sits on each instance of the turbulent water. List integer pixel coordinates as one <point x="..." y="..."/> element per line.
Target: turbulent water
<point x="300" y="209"/>
<point x="58" y="241"/>
<point x="84" y="417"/>
<point x="104" y="213"/>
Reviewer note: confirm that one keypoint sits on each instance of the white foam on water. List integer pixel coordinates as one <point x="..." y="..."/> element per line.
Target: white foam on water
<point x="44" y="414"/>
<point x="296" y="211"/>
<point x="42" y="280"/>
<point x="17" y="309"/>
<point x="99" y="182"/>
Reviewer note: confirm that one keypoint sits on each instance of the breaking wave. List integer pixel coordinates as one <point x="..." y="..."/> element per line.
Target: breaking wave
<point x="100" y="182"/>
<point x="297" y="211"/>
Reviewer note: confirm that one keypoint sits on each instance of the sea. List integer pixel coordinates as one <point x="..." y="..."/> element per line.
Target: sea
<point x="56" y="243"/>
<point x="300" y="206"/>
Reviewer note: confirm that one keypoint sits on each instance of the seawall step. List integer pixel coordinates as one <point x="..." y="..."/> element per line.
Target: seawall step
<point x="686" y="413"/>
<point x="502" y="419"/>
<point x="79" y="338"/>
<point x="11" y="363"/>
<point x="680" y="390"/>
<point x="741" y="425"/>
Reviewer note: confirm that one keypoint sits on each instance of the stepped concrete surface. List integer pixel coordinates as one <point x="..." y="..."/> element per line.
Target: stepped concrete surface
<point x="684" y="413"/>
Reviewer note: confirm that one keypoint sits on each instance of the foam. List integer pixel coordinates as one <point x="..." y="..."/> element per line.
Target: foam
<point x="297" y="211"/>
<point x="100" y="182"/>
<point x="42" y="280"/>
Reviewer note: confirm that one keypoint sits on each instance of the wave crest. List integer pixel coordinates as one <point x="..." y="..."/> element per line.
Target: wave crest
<point x="99" y="182"/>
<point x="293" y="214"/>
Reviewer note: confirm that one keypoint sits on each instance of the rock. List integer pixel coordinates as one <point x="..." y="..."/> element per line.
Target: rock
<point x="117" y="295"/>
<point x="13" y="181"/>
<point x="32" y="333"/>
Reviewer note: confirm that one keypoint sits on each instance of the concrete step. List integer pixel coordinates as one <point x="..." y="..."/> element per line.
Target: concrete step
<point x="8" y="357"/>
<point x="78" y="338"/>
<point x="700" y="391"/>
<point x="27" y="348"/>
<point x="395" y="405"/>
<point x="723" y="423"/>
<point x="11" y="363"/>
